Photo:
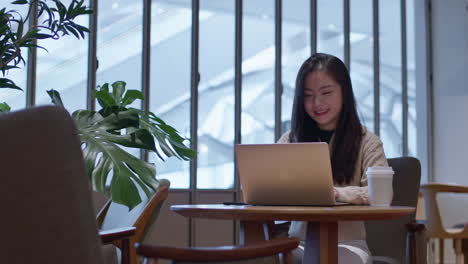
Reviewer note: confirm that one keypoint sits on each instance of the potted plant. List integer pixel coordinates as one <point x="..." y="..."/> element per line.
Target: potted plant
<point x="103" y="133"/>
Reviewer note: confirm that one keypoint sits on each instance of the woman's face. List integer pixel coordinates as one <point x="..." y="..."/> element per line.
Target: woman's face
<point x="323" y="99"/>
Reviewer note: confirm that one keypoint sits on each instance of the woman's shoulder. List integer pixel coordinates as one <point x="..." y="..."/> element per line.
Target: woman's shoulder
<point x="369" y="138"/>
<point x="284" y="138"/>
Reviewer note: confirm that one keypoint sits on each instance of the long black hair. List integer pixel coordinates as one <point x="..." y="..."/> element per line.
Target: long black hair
<point x="348" y="133"/>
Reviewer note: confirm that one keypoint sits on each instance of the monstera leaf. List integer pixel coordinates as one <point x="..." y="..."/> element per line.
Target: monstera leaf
<point x="105" y="132"/>
<point x="103" y="155"/>
<point x="168" y="138"/>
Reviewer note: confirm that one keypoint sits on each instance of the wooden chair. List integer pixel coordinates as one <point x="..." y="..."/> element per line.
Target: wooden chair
<point x="264" y="252"/>
<point x="113" y="216"/>
<point x="434" y="226"/>
<point x="45" y="192"/>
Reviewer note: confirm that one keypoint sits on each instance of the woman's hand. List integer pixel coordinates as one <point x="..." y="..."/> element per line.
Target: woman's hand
<point x="336" y="193"/>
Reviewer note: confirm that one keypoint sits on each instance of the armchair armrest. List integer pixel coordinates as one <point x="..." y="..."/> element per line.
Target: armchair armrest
<point x="224" y="253"/>
<point x="121" y="238"/>
<point x="111" y="235"/>
<point x="440" y="187"/>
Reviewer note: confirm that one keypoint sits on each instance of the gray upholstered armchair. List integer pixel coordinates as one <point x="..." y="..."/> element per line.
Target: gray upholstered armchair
<point x="394" y="241"/>
<point x="45" y="192"/>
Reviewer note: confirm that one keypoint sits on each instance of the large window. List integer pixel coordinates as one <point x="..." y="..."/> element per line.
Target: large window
<point x="120" y="56"/>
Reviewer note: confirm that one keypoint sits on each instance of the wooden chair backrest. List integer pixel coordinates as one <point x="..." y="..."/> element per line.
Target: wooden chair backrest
<point x="255" y="253"/>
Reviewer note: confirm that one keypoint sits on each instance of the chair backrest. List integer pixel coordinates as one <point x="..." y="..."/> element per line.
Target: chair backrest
<point x="114" y="215"/>
<point x="434" y="227"/>
<point x="388" y="237"/>
<point x="143" y="216"/>
<point x="258" y="253"/>
<point x="47" y="214"/>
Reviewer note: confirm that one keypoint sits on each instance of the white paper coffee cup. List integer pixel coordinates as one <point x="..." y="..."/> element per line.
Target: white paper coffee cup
<point x="380" y="185"/>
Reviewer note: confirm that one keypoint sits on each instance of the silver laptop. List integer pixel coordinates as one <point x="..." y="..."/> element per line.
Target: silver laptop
<point x="285" y="174"/>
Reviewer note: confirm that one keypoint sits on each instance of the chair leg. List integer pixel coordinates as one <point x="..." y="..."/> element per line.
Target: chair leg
<point x="465" y="250"/>
<point x="125" y="251"/>
<point x="411" y="256"/>
<point x="458" y="251"/>
<point x="288" y="257"/>
<point x="441" y="250"/>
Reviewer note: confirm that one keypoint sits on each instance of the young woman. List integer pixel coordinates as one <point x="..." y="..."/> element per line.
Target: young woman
<point x="324" y="110"/>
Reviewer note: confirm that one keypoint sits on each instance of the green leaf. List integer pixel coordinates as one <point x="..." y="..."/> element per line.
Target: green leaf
<point x="19" y="2"/>
<point x="104" y="157"/>
<point x="82" y="28"/>
<point x="4" y="107"/>
<point x="28" y="37"/>
<point x="123" y="119"/>
<point x="141" y="139"/>
<point x="131" y="96"/>
<point x="42" y="36"/>
<point x="172" y="144"/>
<point x="104" y="98"/>
<point x="19" y="32"/>
<point x="123" y="190"/>
<point x="55" y="97"/>
<point x="104" y="87"/>
<point x="72" y="30"/>
<point x="118" y="89"/>
<point x="7" y="83"/>
<point x="62" y="10"/>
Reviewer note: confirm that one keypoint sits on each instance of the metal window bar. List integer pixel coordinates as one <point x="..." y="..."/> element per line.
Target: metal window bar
<point x="237" y="102"/>
<point x="404" y="78"/>
<point x="313" y="26"/>
<point x="32" y="60"/>
<point x="346" y="24"/>
<point x="278" y="79"/>
<point x="194" y="80"/>
<point x="92" y="54"/>
<point x="237" y="85"/>
<point x="375" y="29"/>
<point x="146" y="61"/>
<point x="430" y="93"/>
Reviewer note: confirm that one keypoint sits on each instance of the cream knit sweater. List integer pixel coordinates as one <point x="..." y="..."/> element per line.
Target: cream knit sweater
<point x="370" y="154"/>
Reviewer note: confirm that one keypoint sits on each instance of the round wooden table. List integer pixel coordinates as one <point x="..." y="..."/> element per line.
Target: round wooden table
<point x="322" y="228"/>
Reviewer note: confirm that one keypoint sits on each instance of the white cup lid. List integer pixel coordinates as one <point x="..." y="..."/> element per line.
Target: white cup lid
<point x="380" y="170"/>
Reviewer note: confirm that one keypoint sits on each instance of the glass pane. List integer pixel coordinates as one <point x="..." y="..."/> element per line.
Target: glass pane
<point x="216" y="95"/>
<point x="119" y="46"/>
<point x="119" y="43"/>
<point x="170" y="79"/>
<point x="296" y="49"/>
<point x="258" y="75"/>
<point x="14" y="98"/>
<point x="64" y="68"/>
<point x="390" y="77"/>
<point x="330" y="27"/>
<point x="362" y="60"/>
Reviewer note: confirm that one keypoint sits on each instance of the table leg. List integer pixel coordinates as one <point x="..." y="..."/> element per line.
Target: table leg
<point x="321" y="243"/>
<point x="252" y="232"/>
